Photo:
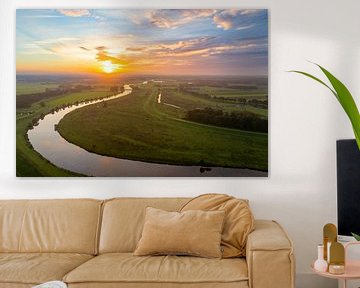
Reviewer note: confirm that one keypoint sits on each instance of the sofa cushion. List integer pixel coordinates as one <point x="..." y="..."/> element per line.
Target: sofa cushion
<point x="62" y="226"/>
<point x="194" y="232"/>
<point x="239" y="220"/>
<point x="123" y="220"/>
<point x="36" y="268"/>
<point x="15" y="285"/>
<point x="126" y="268"/>
<point x="237" y="284"/>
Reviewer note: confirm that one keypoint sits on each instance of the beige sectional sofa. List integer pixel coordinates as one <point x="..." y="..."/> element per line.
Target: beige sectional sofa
<point x="89" y="243"/>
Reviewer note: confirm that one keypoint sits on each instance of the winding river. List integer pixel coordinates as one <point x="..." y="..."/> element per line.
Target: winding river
<point x="51" y="145"/>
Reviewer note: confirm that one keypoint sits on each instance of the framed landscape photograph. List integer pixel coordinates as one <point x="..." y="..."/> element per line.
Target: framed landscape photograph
<point x="142" y="93"/>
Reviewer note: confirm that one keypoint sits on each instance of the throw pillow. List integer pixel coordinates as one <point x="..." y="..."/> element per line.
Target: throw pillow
<point x="196" y="233"/>
<point x="238" y="224"/>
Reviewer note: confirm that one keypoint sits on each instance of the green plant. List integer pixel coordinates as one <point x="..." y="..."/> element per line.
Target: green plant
<point x="356" y="236"/>
<point x="344" y="97"/>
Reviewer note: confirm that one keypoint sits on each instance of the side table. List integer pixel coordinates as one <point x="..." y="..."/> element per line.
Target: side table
<point x="352" y="268"/>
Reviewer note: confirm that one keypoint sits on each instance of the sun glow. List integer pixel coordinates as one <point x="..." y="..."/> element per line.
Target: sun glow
<point x="109" y="67"/>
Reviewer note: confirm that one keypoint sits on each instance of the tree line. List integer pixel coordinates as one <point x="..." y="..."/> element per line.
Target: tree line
<point x="240" y="100"/>
<point x="25" y="101"/>
<point x="238" y="120"/>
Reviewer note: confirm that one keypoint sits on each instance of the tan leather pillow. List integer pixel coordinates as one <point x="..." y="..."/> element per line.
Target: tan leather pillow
<point x="238" y="224"/>
<point x="196" y="233"/>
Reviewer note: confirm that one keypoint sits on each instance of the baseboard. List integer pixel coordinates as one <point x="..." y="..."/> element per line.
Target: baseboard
<point x="309" y="280"/>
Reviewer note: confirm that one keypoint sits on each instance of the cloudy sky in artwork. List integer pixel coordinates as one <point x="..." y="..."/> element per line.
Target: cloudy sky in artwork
<point x="165" y="42"/>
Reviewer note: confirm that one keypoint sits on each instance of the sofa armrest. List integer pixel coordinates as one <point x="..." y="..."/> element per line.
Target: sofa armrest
<point x="269" y="255"/>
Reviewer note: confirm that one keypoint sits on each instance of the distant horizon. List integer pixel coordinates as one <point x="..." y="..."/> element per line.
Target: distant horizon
<point x="180" y="42"/>
<point x="137" y="75"/>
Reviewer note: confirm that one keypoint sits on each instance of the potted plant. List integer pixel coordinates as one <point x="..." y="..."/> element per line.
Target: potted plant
<point x="346" y="100"/>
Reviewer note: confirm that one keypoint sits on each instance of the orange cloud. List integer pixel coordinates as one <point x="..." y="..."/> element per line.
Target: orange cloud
<point x="178" y="17"/>
<point x="163" y="56"/>
<point x="136" y="49"/>
<point x="84" y="48"/>
<point x="222" y="22"/>
<point x="168" y="47"/>
<point x="249" y="11"/>
<point x="101" y="48"/>
<point x="225" y="19"/>
<point x="74" y="12"/>
<point x="204" y="52"/>
<point x="103" y="55"/>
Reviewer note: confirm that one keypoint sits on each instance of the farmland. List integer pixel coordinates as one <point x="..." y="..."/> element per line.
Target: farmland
<point x="28" y="161"/>
<point x="143" y="127"/>
<point x="30" y="88"/>
<point x="138" y="127"/>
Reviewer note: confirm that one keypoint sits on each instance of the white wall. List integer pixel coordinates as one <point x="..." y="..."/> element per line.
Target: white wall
<point x="305" y="120"/>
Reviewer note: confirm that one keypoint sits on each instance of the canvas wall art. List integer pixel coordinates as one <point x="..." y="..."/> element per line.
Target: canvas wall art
<point x="124" y="93"/>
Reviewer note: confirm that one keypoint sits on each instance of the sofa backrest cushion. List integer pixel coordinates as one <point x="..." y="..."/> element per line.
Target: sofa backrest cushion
<point x="64" y="226"/>
<point x="123" y="220"/>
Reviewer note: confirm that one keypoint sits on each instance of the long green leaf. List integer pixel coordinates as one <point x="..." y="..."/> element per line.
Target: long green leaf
<point x="344" y="97"/>
<point x="316" y="79"/>
<point x="347" y="102"/>
<point x="357" y="237"/>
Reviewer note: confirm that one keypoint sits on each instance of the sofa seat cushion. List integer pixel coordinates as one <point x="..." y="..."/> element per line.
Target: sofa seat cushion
<point x="15" y="285"/>
<point x="242" y="284"/>
<point x="36" y="268"/>
<point x="127" y="268"/>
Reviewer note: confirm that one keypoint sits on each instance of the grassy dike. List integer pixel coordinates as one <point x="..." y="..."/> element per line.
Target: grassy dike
<point x="29" y="163"/>
<point x="137" y="127"/>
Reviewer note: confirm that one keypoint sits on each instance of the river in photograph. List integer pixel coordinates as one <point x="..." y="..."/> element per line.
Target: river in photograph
<point x="51" y="145"/>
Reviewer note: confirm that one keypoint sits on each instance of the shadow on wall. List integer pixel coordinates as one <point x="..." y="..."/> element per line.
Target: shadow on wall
<point x="327" y="34"/>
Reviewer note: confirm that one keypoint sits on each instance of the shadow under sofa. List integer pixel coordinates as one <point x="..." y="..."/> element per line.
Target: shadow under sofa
<point x="90" y="243"/>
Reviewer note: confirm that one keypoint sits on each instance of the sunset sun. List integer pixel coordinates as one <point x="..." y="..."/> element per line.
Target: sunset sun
<point x="109" y="67"/>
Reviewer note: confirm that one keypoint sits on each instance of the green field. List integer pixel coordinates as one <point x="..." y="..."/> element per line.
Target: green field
<point x="29" y="88"/>
<point x="137" y="127"/>
<point x="28" y="161"/>
<point x="78" y="97"/>
<point x="187" y="102"/>
<point x="259" y="93"/>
